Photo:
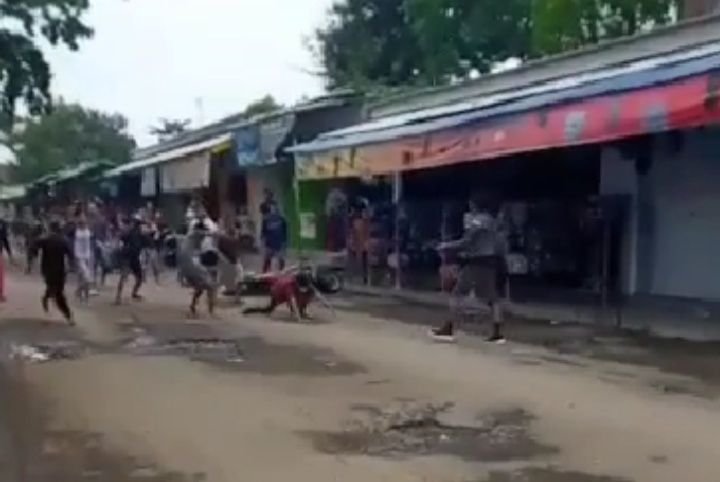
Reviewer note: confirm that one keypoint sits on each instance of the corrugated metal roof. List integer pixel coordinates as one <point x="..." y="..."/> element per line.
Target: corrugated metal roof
<point x="234" y="122"/>
<point x="170" y="155"/>
<point x="637" y="74"/>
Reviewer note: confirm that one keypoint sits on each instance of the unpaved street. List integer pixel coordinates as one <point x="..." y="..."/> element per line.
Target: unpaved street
<point x="139" y="393"/>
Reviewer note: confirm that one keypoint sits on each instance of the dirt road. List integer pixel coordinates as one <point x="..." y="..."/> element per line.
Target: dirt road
<point x="139" y="393"/>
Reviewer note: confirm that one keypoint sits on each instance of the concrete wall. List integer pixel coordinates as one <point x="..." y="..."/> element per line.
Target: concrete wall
<point x="686" y="190"/>
<point x="672" y="241"/>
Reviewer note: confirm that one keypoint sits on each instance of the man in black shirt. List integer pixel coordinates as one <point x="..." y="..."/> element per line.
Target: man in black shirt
<point x="133" y="242"/>
<point x="54" y="249"/>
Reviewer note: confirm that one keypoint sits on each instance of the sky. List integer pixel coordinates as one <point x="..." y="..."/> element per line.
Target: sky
<point x="196" y="59"/>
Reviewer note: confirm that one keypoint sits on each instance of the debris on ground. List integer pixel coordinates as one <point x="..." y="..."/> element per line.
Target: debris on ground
<point x="46" y="352"/>
<point x="421" y="430"/>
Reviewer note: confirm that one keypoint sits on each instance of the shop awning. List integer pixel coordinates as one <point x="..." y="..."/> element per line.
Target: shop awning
<point x="220" y="142"/>
<point x="189" y="173"/>
<point x="648" y="95"/>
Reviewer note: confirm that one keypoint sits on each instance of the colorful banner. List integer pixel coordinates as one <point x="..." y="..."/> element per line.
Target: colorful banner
<point x="691" y="102"/>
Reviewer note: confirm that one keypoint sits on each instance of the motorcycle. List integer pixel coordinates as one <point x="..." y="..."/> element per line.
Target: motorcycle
<point x="327" y="280"/>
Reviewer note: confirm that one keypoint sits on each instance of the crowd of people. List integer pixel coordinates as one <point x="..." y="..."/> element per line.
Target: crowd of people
<point x="92" y="240"/>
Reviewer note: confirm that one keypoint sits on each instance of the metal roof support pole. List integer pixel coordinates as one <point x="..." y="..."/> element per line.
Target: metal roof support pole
<point x="397" y="198"/>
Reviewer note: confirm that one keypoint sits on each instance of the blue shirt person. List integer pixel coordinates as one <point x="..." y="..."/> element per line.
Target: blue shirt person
<point x="274" y="238"/>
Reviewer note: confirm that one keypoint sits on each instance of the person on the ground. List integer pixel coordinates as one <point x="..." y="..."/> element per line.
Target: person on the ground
<point x="84" y="253"/>
<point x="132" y="243"/>
<point x="481" y="266"/>
<point x="274" y="237"/>
<point x="4" y="248"/>
<point x="295" y="290"/>
<point x="194" y="267"/>
<point x="54" y="251"/>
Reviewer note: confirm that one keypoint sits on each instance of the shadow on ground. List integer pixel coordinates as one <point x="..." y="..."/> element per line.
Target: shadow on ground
<point x="30" y="451"/>
<point x="572" y="342"/>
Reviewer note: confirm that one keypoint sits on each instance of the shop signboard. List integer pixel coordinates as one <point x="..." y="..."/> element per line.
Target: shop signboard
<point x="247" y="146"/>
<point x="683" y="104"/>
<point x="308" y="226"/>
<point x="148" y="182"/>
<point x="272" y="133"/>
<point x="186" y="174"/>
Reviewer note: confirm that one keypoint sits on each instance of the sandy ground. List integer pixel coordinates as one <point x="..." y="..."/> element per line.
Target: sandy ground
<point x="143" y="394"/>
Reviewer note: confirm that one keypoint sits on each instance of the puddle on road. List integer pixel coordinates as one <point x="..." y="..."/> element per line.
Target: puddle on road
<point x="548" y="474"/>
<point x="200" y="343"/>
<point x="497" y="437"/>
<point x="32" y="452"/>
<point x="37" y="341"/>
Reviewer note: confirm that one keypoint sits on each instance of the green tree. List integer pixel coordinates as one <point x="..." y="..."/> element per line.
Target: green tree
<point x="370" y="43"/>
<point x="24" y="72"/>
<point x="263" y="105"/>
<point x="561" y="25"/>
<point x="169" y="128"/>
<point x="70" y="134"/>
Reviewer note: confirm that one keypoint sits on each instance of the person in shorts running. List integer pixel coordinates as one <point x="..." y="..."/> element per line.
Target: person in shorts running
<point x="133" y="242"/>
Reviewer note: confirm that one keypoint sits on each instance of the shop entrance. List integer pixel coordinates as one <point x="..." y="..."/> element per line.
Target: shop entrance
<point x="549" y="201"/>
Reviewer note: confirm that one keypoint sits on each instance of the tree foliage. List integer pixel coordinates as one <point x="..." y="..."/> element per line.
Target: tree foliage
<point x="263" y="105"/>
<point x="561" y="25"/>
<point x="169" y="128"/>
<point x="70" y="134"/>
<point x="24" y="72"/>
<point x="428" y="42"/>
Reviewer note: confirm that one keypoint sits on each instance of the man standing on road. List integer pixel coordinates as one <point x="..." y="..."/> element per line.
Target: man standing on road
<point x="482" y="265"/>
<point x="84" y="251"/>
<point x="54" y="250"/>
<point x="274" y="238"/>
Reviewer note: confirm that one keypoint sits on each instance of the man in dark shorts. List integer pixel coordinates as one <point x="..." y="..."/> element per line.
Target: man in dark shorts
<point x="482" y="267"/>
<point x="54" y="250"/>
<point x="133" y="241"/>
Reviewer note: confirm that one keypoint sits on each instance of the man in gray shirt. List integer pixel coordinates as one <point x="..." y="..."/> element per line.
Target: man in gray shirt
<point x="481" y="256"/>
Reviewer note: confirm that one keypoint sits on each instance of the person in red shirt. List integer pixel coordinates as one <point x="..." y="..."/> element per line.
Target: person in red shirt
<point x="294" y="290"/>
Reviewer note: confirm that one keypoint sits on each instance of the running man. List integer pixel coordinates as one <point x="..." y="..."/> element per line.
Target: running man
<point x="133" y="241"/>
<point x="194" y="269"/>
<point x="54" y="250"/>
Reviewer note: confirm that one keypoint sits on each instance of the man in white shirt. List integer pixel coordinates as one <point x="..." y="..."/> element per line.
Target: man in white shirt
<point x="84" y="252"/>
